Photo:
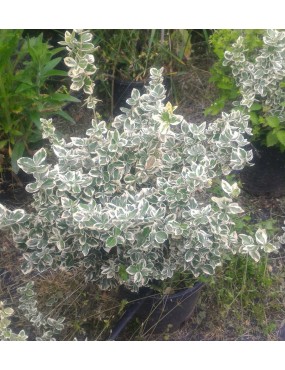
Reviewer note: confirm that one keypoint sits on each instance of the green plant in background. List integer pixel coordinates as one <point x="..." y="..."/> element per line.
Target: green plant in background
<point x="246" y="293"/>
<point x="252" y="70"/>
<point x="221" y="75"/>
<point x="261" y="82"/>
<point x="126" y="55"/>
<point x="27" y="69"/>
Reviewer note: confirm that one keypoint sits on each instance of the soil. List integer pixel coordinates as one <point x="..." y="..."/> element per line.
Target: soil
<point x="263" y="201"/>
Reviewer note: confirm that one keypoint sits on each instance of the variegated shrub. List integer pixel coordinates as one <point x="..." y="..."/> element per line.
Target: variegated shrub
<point x="133" y="203"/>
<point x="44" y="326"/>
<point x="260" y="77"/>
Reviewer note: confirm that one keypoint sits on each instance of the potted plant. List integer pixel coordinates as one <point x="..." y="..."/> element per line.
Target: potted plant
<point x="132" y="205"/>
<point x="127" y="55"/>
<point x="259" y="76"/>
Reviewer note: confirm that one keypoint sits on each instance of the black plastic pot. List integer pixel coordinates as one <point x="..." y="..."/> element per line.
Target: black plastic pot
<point x="267" y="176"/>
<point x="160" y="313"/>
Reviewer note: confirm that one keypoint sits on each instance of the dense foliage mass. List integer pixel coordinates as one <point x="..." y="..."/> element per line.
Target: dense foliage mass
<point x="133" y="203"/>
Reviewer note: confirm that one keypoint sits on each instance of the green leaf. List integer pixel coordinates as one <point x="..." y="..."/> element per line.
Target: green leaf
<point x="273" y="121"/>
<point x="281" y="136"/>
<point x="142" y="236"/>
<point x="268" y="248"/>
<point x="3" y="143"/>
<point x="123" y="273"/>
<point x="48" y="184"/>
<point x="271" y="139"/>
<point x="254" y="118"/>
<point x="63" y="98"/>
<point x="56" y="72"/>
<point x="111" y="242"/>
<point x="160" y="237"/>
<point x="132" y="270"/>
<point x="8" y="311"/>
<point x="17" y="152"/>
<point x="143" y="207"/>
<point x="255" y="106"/>
<point x="50" y="65"/>
<point x="48" y="259"/>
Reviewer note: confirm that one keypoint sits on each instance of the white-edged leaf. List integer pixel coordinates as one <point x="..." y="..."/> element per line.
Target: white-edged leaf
<point x="246" y="239"/>
<point x="208" y="270"/>
<point x="138" y="277"/>
<point x="70" y="62"/>
<point x="235" y="190"/>
<point x="234" y="208"/>
<point x="32" y="188"/>
<point x="129" y="179"/>
<point x="150" y="162"/>
<point x="254" y="254"/>
<point x="189" y="255"/>
<point x="261" y="236"/>
<point x="27" y="165"/>
<point x="268" y="248"/>
<point x="221" y="202"/>
<point x="143" y="206"/>
<point x="17" y="215"/>
<point x="8" y="311"/>
<point x="85" y="249"/>
<point x="39" y="156"/>
<point x="86" y="37"/>
<point x="226" y="187"/>
<point x="160" y="237"/>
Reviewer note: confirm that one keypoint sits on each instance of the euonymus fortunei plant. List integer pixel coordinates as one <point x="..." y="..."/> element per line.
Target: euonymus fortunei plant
<point x="260" y="77"/>
<point x="133" y="203"/>
<point x="44" y="326"/>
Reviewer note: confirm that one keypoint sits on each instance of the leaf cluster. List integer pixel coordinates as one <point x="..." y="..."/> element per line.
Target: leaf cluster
<point x="250" y="70"/>
<point x="132" y="204"/>
<point x="27" y="69"/>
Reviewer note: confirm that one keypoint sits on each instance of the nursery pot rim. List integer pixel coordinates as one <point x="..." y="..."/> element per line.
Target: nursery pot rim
<point x="135" y="307"/>
<point x="180" y="293"/>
